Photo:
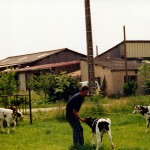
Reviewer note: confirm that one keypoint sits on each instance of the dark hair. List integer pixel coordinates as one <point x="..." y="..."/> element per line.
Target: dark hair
<point x="84" y="88"/>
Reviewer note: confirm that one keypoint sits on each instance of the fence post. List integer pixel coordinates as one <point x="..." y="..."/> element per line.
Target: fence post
<point x="30" y="106"/>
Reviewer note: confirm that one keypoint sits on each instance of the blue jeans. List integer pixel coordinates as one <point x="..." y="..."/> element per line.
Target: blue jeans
<point x="77" y="129"/>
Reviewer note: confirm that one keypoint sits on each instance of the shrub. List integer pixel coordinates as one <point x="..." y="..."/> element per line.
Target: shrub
<point x="130" y="88"/>
<point x="55" y="87"/>
<point x="147" y="86"/>
<point x="8" y="84"/>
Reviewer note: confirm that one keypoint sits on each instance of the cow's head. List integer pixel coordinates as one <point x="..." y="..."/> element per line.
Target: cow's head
<point x="18" y="114"/>
<point x="90" y="121"/>
<point x="140" y="109"/>
<point x="137" y="109"/>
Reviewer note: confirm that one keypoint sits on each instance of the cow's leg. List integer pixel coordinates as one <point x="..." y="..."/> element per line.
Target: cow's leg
<point x="93" y="143"/>
<point x="98" y="137"/>
<point x="8" y="127"/>
<point x="148" y="122"/>
<point x="110" y="139"/>
<point x="14" y="123"/>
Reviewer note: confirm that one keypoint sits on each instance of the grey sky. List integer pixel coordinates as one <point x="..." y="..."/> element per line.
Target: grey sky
<point x="29" y="26"/>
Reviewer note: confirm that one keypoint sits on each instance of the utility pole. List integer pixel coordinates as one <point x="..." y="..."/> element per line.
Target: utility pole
<point x="125" y="55"/>
<point x="91" y="73"/>
<point x="96" y="50"/>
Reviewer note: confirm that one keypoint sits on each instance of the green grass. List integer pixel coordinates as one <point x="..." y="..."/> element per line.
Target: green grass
<point x="50" y="130"/>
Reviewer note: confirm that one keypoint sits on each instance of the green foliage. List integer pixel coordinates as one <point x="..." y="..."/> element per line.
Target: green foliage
<point x="43" y="83"/>
<point x="13" y="100"/>
<point x="130" y="88"/>
<point x="145" y="72"/>
<point x="145" y="69"/>
<point x="66" y="86"/>
<point x="8" y="84"/>
<point x="56" y="87"/>
<point x="18" y="101"/>
<point x="147" y="86"/>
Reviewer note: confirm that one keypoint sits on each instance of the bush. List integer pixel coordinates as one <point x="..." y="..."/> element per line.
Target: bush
<point x="130" y="88"/>
<point x="147" y="86"/>
<point x="8" y="84"/>
<point x="55" y="87"/>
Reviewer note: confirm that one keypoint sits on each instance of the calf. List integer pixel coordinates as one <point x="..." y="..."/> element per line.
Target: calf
<point x="145" y="111"/>
<point x="99" y="127"/>
<point x="9" y="116"/>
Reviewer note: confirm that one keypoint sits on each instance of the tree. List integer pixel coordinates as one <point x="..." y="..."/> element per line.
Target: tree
<point x="56" y="87"/>
<point x="8" y="84"/>
<point x="145" y="69"/>
<point x="145" y="72"/>
<point x="66" y="86"/>
<point x="130" y="88"/>
<point x="43" y="83"/>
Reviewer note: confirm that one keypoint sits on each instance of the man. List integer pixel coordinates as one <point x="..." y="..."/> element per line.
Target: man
<point x="73" y="117"/>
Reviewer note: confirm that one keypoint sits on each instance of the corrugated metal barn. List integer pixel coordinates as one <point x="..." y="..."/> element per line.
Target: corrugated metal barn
<point x="54" y="62"/>
<point x="134" y="50"/>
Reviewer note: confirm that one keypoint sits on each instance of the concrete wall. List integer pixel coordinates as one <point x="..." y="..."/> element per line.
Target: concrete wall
<point x="84" y="70"/>
<point x="114" y="79"/>
<point x="22" y="80"/>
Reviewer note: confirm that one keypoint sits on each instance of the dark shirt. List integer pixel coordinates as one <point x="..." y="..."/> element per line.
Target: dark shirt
<point x="74" y="102"/>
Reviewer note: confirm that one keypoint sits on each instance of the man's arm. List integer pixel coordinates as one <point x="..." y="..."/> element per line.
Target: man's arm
<point x="78" y="116"/>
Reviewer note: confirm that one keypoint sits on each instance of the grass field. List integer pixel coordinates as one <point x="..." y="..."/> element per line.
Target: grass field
<point x="50" y="131"/>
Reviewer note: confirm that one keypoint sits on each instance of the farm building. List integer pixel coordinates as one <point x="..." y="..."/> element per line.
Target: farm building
<point x="134" y="50"/>
<point x="54" y="61"/>
<point x="110" y="66"/>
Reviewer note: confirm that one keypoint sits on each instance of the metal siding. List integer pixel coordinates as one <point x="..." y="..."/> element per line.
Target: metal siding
<point x="138" y="50"/>
<point x="128" y="51"/>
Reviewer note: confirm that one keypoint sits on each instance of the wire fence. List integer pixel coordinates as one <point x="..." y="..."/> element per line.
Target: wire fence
<point x="19" y="101"/>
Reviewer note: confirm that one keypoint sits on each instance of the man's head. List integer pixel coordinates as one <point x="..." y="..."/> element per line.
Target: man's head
<point x="84" y="91"/>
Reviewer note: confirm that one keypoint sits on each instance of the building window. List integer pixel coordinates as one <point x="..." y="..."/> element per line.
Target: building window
<point x="131" y="78"/>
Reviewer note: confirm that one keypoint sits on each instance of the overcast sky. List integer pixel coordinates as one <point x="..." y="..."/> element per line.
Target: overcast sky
<point x="28" y="26"/>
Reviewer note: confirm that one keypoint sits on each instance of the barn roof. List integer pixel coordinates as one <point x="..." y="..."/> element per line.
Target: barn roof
<point x="47" y="66"/>
<point x="28" y="58"/>
<point x="118" y="64"/>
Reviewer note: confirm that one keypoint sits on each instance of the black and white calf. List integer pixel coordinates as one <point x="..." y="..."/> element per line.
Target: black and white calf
<point x="145" y="111"/>
<point x="9" y="116"/>
<point x="99" y="127"/>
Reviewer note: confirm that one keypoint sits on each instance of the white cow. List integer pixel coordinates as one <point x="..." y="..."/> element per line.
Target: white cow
<point x="9" y="116"/>
<point x="100" y="126"/>
<point x="143" y="110"/>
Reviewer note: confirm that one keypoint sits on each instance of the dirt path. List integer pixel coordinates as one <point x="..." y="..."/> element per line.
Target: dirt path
<point x="45" y="109"/>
